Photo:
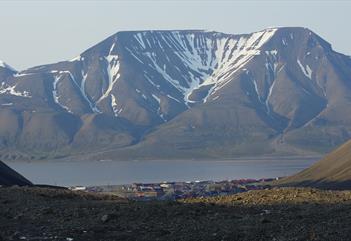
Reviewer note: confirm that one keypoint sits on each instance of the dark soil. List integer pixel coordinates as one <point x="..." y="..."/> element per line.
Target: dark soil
<point x="277" y="214"/>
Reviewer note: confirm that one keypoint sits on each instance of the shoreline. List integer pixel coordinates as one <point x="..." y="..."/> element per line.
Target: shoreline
<point x="234" y="159"/>
<point x="79" y="173"/>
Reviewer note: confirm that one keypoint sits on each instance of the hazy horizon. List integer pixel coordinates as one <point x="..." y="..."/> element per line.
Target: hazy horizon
<point x="38" y="32"/>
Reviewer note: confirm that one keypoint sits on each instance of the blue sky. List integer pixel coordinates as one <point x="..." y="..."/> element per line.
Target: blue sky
<point x="40" y="32"/>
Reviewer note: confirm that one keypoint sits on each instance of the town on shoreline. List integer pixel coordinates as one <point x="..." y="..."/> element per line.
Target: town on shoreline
<point x="178" y="190"/>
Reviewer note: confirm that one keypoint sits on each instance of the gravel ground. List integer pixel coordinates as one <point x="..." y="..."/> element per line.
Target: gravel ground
<point x="275" y="214"/>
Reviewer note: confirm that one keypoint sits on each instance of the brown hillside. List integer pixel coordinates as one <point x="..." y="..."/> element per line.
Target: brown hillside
<point x="333" y="171"/>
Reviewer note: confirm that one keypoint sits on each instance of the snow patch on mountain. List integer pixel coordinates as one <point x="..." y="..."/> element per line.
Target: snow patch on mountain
<point x="114" y="105"/>
<point x="272" y="52"/>
<point x="6" y="66"/>
<point x="7" y="104"/>
<point x="78" y="58"/>
<point x="171" y="97"/>
<point x="203" y="58"/>
<point x="113" y="74"/>
<point x="270" y="91"/>
<point x="55" y="94"/>
<point x="11" y="90"/>
<point x="22" y="74"/>
<point x="307" y="71"/>
<point x="157" y="99"/>
<point x="241" y="53"/>
<point x="159" y="107"/>
<point x="82" y="91"/>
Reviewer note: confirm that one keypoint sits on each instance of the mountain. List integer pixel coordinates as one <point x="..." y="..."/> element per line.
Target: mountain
<point x="332" y="172"/>
<point x="181" y="94"/>
<point x="6" y="71"/>
<point x="9" y="177"/>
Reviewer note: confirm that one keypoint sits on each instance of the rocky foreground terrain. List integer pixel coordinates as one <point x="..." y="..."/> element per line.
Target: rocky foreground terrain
<point x="276" y="214"/>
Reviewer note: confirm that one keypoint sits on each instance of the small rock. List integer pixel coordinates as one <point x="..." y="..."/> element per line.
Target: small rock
<point x="105" y="218"/>
<point x="265" y="220"/>
<point x="265" y="212"/>
<point x="5" y="201"/>
<point x="47" y="211"/>
<point x="19" y="216"/>
<point x="98" y="229"/>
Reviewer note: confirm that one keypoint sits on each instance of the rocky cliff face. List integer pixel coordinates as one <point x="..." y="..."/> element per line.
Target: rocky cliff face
<point x="191" y="93"/>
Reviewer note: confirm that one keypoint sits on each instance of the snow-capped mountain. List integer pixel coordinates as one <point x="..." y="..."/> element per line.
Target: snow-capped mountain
<point x="191" y="92"/>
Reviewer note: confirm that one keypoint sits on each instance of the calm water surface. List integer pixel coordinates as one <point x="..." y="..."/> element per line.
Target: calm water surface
<point x="66" y="173"/>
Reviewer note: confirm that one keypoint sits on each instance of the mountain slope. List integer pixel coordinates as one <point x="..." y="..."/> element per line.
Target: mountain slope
<point x="9" y="177"/>
<point x="194" y="93"/>
<point x="333" y="171"/>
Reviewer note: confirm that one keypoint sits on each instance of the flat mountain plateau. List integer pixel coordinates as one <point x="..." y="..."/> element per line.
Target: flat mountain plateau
<point x="275" y="214"/>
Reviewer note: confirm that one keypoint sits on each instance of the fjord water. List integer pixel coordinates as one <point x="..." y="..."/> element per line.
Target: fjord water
<point x="87" y="173"/>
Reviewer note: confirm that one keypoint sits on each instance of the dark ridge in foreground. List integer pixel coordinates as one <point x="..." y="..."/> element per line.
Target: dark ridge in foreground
<point x="9" y="177"/>
<point x="276" y="214"/>
<point x="332" y="172"/>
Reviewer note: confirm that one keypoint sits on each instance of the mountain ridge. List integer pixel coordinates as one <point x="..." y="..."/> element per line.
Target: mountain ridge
<point x="278" y="91"/>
